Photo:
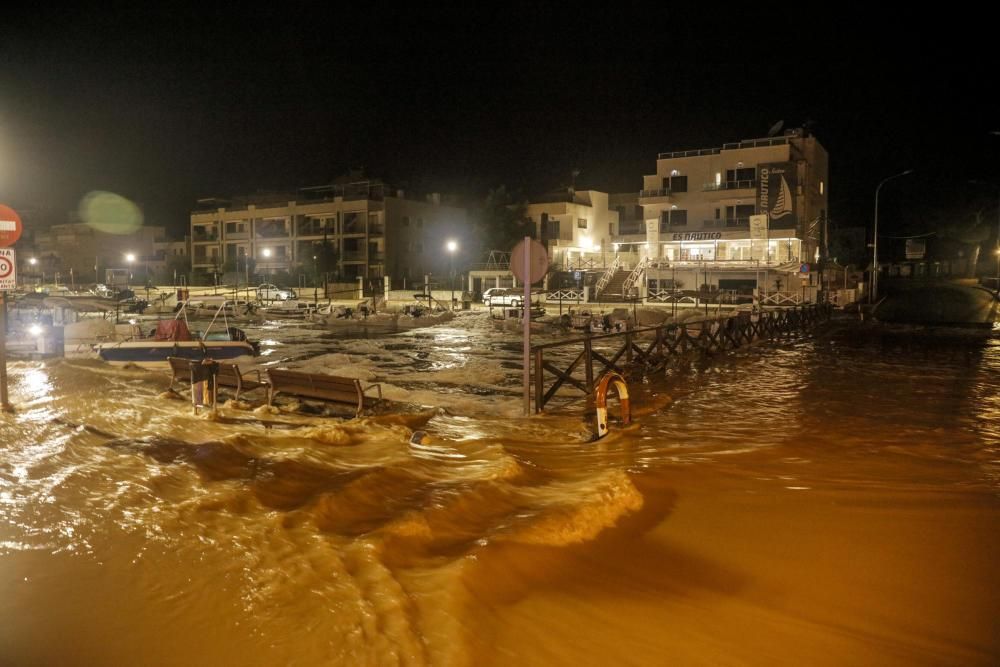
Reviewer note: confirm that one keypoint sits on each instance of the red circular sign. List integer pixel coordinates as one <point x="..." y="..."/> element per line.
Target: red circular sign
<point x="10" y="226"/>
<point x="6" y="267"/>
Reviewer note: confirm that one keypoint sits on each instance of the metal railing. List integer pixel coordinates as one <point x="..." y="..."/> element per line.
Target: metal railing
<point x="608" y="275"/>
<point x="658" y="192"/>
<point x="730" y="185"/>
<point x="633" y="278"/>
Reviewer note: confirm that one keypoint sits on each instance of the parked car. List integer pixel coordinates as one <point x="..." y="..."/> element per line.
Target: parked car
<point x="503" y="296"/>
<point x="268" y="292"/>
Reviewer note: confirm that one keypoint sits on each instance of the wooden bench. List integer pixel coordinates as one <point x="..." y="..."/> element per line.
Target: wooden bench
<point x="320" y="386"/>
<point x="229" y="375"/>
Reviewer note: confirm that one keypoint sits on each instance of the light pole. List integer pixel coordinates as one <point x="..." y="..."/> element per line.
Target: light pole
<point x="452" y="246"/>
<point x="874" y="287"/>
<point x="130" y="258"/>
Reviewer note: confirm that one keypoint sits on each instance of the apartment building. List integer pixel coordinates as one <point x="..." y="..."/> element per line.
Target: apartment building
<point x="576" y="226"/>
<point x="699" y="205"/>
<point x="85" y="253"/>
<point x="348" y="230"/>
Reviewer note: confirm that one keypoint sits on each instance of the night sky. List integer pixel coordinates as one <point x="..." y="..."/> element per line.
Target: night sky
<point x="167" y="109"/>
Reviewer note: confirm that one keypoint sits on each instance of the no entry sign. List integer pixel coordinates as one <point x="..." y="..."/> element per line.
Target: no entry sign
<point x="10" y="226"/>
<point x="8" y="270"/>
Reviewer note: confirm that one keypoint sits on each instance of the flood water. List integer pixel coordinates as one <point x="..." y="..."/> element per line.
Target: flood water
<point x="825" y="501"/>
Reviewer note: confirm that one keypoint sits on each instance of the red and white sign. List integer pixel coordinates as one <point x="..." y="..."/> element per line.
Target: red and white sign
<point x="8" y="269"/>
<point x="10" y="226"/>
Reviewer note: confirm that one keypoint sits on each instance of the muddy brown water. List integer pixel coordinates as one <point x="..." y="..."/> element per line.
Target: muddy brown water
<point x="824" y="501"/>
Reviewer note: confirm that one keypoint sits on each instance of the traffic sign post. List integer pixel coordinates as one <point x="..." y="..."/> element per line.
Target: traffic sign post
<point x="529" y="262"/>
<point x="10" y="232"/>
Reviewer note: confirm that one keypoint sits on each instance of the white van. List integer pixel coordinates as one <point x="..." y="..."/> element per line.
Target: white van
<point x="503" y="296"/>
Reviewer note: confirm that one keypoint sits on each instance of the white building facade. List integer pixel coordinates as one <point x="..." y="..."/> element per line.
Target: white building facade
<point x="699" y="205"/>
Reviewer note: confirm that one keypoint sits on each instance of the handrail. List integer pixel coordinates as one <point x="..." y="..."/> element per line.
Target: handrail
<point x="633" y="278"/>
<point x="608" y="275"/>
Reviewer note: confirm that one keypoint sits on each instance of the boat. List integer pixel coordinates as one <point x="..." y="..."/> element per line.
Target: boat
<point x="290" y="308"/>
<point x="174" y="338"/>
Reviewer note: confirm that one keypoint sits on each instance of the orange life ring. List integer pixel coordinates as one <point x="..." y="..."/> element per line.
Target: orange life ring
<point x="615" y="380"/>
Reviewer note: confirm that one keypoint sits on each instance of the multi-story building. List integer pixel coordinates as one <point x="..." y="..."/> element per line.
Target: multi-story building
<point x="79" y="252"/>
<point x="576" y="226"/>
<point x="349" y="230"/>
<point x="699" y="205"/>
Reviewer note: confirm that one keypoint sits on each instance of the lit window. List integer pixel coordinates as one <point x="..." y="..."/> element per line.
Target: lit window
<point x="821" y="188"/>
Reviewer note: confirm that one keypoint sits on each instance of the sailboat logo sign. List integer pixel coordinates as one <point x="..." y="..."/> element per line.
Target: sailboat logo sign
<point x="774" y="192"/>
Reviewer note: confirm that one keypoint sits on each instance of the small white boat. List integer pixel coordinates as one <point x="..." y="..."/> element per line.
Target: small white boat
<point x="290" y="308"/>
<point x="174" y="338"/>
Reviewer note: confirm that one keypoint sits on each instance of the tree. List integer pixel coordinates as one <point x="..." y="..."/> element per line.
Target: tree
<point x="502" y="222"/>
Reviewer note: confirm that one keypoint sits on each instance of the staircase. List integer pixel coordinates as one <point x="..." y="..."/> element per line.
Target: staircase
<point x="612" y="292"/>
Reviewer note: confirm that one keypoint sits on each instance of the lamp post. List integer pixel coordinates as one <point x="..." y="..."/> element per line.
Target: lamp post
<point x="874" y="288"/>
<point x="130" y="258"/>
<point x="452" y="246"/>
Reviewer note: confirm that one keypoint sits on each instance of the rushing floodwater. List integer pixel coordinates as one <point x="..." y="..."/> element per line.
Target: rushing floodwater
<point x="826" y="501"/>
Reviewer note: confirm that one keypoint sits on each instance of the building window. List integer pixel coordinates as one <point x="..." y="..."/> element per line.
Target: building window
<point x="611" y="229"/>
<point x="675" y="217"/>
<point x="821" y="189"/>
<point x="739" y="214"/>
<point x="741" y="174"/>
<point x="581" y="223"/>
<point x="679" y="184"/>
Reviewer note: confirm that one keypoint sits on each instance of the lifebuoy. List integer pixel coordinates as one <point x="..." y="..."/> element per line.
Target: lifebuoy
<point x="615" y="380"/>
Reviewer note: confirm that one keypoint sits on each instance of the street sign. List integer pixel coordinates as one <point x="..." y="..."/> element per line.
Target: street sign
<point x="8" y="269"/>
<point x="804" y="268"/>
<point x="10" y="226"/>
<point x="538" y="262"/>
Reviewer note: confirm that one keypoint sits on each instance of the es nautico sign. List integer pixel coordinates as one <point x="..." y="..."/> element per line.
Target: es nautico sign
<point x="697" y="236"/>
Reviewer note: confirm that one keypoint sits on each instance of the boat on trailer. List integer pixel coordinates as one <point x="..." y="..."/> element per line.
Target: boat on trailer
<point x="174" y="338"/>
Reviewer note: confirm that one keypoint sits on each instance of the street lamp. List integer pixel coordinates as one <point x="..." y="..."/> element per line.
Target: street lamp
<point x="874" y="289"/>
<point x="452" y="246"/>
<point x="130" y="258"/>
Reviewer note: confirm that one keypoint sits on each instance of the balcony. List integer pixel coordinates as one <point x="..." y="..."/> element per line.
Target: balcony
<point x="272" y="232"/>
<point x="730" y="185"/>
<point x="317" y="230"/>
<point x="654" y="196"/>
<point x="726" y="223"/>
<point x="203" y="237"/>
<point x="632" y="229"/>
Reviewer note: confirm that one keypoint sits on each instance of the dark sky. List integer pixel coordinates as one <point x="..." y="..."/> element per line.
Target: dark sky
<point x="164" y="109"/>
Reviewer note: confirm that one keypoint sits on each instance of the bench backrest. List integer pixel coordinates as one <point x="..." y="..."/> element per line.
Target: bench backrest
<point x="229" y="374"/>
<point x="316" y="385"/>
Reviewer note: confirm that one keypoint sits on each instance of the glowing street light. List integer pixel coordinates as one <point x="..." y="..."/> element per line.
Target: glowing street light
<point x="32" y="261"/>
<point x="266" y="252"/>
<point x="452" y="246"/>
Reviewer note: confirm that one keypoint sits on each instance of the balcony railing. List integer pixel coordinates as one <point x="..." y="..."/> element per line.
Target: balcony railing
<point x="659" y="192"/>
<point x="272" y="232"/>
<point x="730" y="185"/>
<point x="203" y="238"/>
<point x="726" y="223"/>
<point x="624" y="230"/>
